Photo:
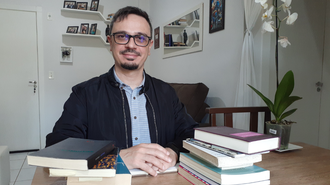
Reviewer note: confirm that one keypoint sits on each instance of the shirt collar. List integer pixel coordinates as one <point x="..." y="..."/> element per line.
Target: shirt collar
<point x="122" y="84"/>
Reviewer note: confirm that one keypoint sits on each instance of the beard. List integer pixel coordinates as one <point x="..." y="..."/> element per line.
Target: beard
<point x="130" y="66"/>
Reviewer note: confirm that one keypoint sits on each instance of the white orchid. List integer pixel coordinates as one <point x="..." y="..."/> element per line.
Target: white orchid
<point x="291" y="18"/>
<point x="268" y="14"/>
<point x="263" y="3"/>
<point x="286" y="6"/>
<point x="267" y="26"/>
<point x="284" y="41"/>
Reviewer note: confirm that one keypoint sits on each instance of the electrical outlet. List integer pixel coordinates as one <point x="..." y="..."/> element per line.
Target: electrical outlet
<point x="51" y="75"/>
<point x="66" y="54"/>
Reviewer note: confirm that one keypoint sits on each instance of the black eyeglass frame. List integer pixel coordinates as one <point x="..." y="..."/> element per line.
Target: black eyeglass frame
<point x="129" y="38"/>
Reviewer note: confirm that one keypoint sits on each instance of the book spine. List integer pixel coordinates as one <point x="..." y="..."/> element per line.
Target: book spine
<point x="97" y="156"/>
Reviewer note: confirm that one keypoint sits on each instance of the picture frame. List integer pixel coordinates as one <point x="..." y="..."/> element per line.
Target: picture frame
<point x="156" y="37"/>
<point x="70" y="4"/>
<point x="82" y="5"/>
<point x="72" y="29"/>
<point x="93" y="29"/>
<point x="217" y="15"/>
<point x="94" y="5"/>
<point x="84" y="28"/>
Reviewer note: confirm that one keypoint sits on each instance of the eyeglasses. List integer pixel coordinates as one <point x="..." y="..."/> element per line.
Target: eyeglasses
<point x="123" y="38"/>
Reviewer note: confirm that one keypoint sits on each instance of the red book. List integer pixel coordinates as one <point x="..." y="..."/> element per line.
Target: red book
<point x="236" y="139"/>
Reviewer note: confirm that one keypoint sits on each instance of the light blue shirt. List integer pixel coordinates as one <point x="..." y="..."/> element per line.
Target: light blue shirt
<point x="137" y="106"/>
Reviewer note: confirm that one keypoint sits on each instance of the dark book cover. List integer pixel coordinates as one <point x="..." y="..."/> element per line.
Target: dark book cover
<point x="235" y="133"/>
<point x="72" y="150"/>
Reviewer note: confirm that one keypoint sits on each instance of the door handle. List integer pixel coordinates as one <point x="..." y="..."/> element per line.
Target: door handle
<point x="319" y="86"/>
<point x="34" y="85"/>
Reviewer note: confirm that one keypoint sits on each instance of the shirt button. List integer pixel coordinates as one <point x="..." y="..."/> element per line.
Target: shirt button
<point x="134" y="97"/>
<point x="136" y="138"/>
<point x="134" y="117"/>
<point x="122" y="88"/>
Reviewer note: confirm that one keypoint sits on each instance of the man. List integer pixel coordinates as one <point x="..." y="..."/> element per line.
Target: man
<point x="140" y="113"/>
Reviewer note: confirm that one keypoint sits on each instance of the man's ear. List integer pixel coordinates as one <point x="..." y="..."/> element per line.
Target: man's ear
<point x="150" y="45"/>
<point x="109" y="41"/>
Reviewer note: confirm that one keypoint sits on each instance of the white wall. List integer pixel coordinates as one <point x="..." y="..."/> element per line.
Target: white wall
<point x="217" y="65"/>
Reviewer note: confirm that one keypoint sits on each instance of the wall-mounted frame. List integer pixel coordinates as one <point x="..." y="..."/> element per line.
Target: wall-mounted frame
<point x="156" y="38"/>
<point x="69" y="4"/>
<point x="84" y="27"/>
<point x="217" y="15"/>
<point x="94" y="5"/>
<point x="82" y="5"/>
<point x="184" y="33"/>
<point x="72" y="29"/>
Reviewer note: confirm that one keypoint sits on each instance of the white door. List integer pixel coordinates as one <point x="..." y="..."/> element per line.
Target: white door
<point x="19" y="106"/>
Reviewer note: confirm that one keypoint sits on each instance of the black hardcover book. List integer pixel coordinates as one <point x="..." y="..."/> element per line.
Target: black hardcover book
<point x="72" y="153"/>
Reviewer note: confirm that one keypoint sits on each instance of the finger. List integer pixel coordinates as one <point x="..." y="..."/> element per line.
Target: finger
<point x="157" y="151"/>
<point x="147" y="168"/>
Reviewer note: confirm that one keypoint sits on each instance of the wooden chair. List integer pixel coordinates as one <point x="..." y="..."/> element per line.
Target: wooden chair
<point x="228" y="115"/>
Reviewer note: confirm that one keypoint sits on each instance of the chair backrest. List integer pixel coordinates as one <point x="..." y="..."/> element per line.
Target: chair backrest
<point x="228" y="115"/>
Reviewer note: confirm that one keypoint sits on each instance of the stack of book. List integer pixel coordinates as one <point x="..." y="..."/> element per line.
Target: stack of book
<point x="224" y="155"/>
<point x="83" y="161"/>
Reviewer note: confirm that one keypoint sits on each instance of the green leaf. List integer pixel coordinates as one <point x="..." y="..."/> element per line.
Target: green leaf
<point x="286" y="114"/>
<point x="286" y="103"/>
<point x="284" y="89"/>
<point x="266" y="100"/>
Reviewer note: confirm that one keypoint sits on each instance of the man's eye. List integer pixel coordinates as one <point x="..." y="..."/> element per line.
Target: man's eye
<point x="141" y="38"/>
<point x="121" y="36"/>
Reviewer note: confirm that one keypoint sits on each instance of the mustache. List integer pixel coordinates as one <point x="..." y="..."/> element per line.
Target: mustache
<point x="130" y="51"/>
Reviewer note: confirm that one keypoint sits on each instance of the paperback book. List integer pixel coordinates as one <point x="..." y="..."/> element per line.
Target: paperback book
<point x="106" y="167"/>
<point x="220" y="160"/>
<point x="198" y="179"/>
<point x="138" y="172"/>
<point x="233" y="176"/>
<point x="72" y="153"/>
<point x="236" y="139"/>
<point x="123" y="177"/>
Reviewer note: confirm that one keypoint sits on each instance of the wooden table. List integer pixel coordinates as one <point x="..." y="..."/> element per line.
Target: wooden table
<point x="309" y="165"/>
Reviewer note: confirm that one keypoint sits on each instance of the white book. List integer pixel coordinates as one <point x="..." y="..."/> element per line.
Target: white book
<point x="220" y="160"/>
<point x="138" y="172"/>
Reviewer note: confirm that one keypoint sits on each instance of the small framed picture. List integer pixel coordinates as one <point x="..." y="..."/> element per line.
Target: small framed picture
<point x="69" y="4"/>
<point x="93" y="29"/>
<point x="156" y="37"/>
<point x="84" y="27"/>
<point x="82" y="5"/>
<point x="217" y="15"/>
<point x="72" y="29"/>
<point x="94" y="5"/>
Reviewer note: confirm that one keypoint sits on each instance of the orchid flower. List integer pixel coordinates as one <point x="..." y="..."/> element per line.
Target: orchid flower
<point x="268" y="14"/>
<point x="286" y="6"/>
<point x="291" y="18"/>
<point x="263" y="3"/>
<point x="284" y="41"/>
<point x="267" y="26"/>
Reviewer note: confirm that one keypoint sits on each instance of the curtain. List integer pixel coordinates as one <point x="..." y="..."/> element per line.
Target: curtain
<point x="244" y="94"/>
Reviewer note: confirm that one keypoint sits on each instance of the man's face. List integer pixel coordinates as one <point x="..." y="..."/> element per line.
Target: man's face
<point x="130" y="56"/>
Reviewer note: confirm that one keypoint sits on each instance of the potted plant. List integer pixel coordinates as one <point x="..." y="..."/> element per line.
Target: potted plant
<point x="283" y="98"/>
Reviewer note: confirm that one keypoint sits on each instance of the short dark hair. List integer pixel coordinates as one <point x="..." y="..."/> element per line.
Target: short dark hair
<point x="122" y="14"/>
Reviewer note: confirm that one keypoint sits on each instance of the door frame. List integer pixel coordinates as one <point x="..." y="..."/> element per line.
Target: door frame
<point x="40" y="57"/>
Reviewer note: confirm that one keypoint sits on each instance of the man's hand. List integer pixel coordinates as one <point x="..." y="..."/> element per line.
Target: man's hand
<point x="148" y="157"/>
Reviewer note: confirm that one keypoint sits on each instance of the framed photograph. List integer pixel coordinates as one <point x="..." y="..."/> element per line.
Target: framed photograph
<point x="69" y="4"/>
<point x="156" y="37"/>
<point x="217" y="15"/>
<point x="94" y="5"/>
<point x="72" y="29"/>
<point x="82" y="5"/>
<point x="84" y="27"/>
<point x="93" y="29"/>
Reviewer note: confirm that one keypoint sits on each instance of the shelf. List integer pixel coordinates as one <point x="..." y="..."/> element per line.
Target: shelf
<point x="85" y="35"/>
<point x="193" y="27"/>
<point x="86" y="12"/>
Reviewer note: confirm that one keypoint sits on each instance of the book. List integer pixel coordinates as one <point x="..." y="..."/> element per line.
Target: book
<point x="225" y="151"/>
<point x="232" y="176"/>
<point x="198" y="179"/>
<point x="220" y="160"/>
<point x="138" y="172"/>
<point x="72" y="153"/>
<point x="106" y="167"/>
<point x="123" y="177"/>
<point x="236" y="139"/>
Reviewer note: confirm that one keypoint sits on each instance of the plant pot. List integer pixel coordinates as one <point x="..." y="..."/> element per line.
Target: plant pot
<point x="282" y="131"/>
